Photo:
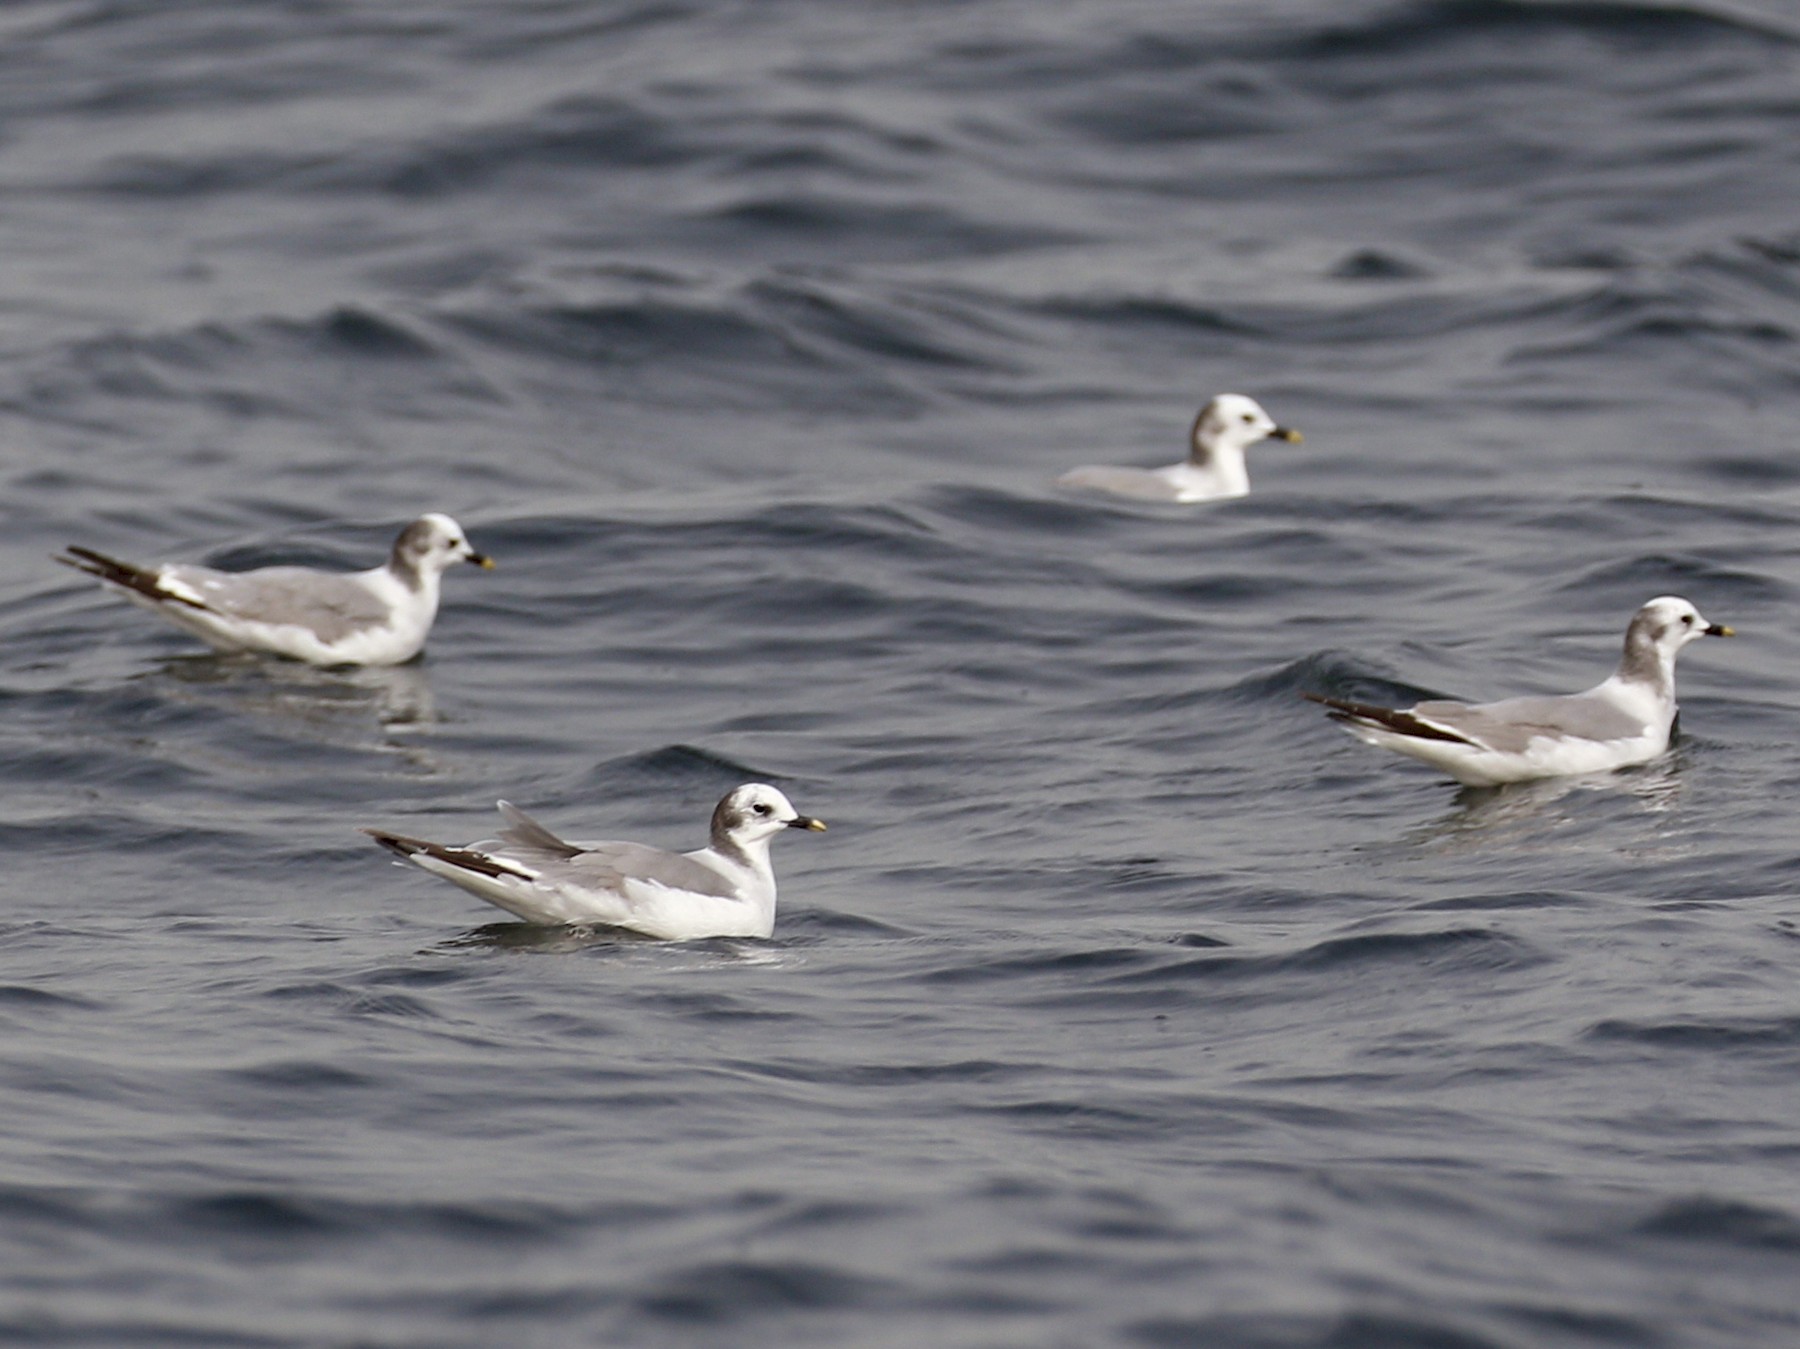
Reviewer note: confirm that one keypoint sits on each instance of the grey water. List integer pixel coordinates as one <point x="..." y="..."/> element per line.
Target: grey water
<point x="1126" y="1002"/>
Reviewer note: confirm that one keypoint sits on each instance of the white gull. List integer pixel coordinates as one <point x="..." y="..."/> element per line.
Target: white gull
<point x="726" y="889"/>
<point x="376" y="617"/>
<point x="1625" y="719"/>
<point x="1214" y="469"/>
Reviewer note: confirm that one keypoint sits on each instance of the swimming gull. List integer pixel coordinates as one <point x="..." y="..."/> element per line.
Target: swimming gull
<point x="1626" y="719"/>
<point x="1214" y="469"/>
<point x="726" y="889"/>
<point x="375" y="617"/>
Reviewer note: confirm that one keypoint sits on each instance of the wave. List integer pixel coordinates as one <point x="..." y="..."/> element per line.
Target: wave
<point x="1727" y="1222"/>
<point x="1717" y="1035"/>
<point x="1635" y="25"/>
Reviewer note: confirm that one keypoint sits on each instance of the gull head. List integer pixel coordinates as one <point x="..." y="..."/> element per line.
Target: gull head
<point x="1232" y="421"/>
<point x="1671" y="623"/>
<point x="432" y="543"/>
<point x="1660" y="629"/>
<point x="755" y="812"/>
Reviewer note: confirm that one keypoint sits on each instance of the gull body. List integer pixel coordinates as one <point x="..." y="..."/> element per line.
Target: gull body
<point x="1214" y="469"/>
<point x="1625" y="719"/>
<point x="726" y="889"/>
<point x="376" y="617"/>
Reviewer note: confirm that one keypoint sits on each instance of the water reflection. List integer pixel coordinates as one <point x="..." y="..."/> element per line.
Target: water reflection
<point x="329" y="706"/>
<point x="1532" y="812"/>
<point x="538" y="939"/>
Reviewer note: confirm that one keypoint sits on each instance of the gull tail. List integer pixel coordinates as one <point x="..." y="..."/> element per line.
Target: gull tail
<point x="1387" y="719"/>
<point x="122" y="574"/>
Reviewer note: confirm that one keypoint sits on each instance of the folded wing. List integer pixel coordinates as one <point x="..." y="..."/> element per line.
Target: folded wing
<point x="330" y="606"/>
<point x="618" y="867"/>
<point x="1508" y="727"/>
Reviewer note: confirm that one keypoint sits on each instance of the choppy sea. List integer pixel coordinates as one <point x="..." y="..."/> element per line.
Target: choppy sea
<point x="1127" y="1002"/>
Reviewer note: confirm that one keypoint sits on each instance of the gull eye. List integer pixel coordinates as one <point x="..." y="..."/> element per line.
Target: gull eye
<point x="1687" y="620"/>
<point x="1249" y="416"/>
<point x="761" y="808"/>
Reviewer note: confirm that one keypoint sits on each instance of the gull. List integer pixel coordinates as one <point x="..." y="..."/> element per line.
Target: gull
<point x="726" y="889"/>
<point x="1214" y="469"/>
<point x="1625" y="719"/>
<point x="375" y="617"/>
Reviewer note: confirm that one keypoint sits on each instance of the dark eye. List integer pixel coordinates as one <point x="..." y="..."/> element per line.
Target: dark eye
<point x="761" y="807"/>
<point x="1687" y="620"/>
<point x="1249" y="416"/>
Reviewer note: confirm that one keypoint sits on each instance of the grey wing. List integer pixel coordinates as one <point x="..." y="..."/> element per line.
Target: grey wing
<point x="1129" y="482"/>
<point x="331" y="606"/>
<point x="611" y="866"/>
<point x="604" y="866"/>
<point x="523" y="832"/>
<point x="1512" y="724"/>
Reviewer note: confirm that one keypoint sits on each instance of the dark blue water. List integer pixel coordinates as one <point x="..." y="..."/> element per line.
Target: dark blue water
<point x="1127" y="1002"/>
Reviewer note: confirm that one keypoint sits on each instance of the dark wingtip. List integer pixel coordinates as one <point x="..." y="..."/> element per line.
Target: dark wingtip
<point x="1340" y="710"/>
<point x="466" y="858"/>
<point x="398" y="844"/>
<point x="87" y="561"/>
<point x="122" y="574"/>
<point x="1395" y="719"/>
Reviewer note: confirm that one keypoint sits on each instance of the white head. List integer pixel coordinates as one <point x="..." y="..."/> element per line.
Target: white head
<point x="1231" y="422"/>
<point x="753" y="814"/>
<point x="429" y="545"/>
<point x="1660" y="629"/>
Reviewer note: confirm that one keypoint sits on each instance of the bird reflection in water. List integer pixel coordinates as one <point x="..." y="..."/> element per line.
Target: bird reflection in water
<point x="542" y="939"/>
<point x="1549" y="811"/>
<point x="333" y="705"/>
